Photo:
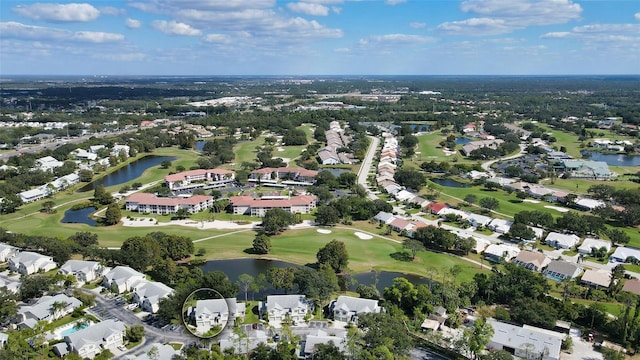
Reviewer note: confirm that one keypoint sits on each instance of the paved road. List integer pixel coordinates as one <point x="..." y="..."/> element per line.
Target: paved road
<point x="107" y="308"/>
<point x="486" y="166"/>
<point x="363" y="173"/>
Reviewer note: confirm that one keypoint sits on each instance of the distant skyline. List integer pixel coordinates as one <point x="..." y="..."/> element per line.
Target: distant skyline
<point x="320" y="37"/>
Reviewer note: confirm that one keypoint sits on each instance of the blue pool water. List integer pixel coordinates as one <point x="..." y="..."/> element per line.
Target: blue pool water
<point x="73" y="329"/>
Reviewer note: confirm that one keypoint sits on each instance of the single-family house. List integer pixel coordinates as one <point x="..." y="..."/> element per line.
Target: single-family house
<point x="401" y="225"/>
<point x="500" y="252"/>
<point x="500" y="226"/>
<point x="560" y="270"/>
<point x="531" y="260"/>
<point x="27" y="263"/>
<point x="525" y="341"/>
<point x="586" y="204"/>
<point x="82" y="154"/>
<point x="118" y="150"/>
<point x="625" y="254"/>
<point x="404" y="195"/>
<point x="89" y="342"/>
<point x="590" y="243"/>
<point x="49" y="308"/>
<point x="13" y="286"/>
<point x="155" y="351"/>
<point x="454" y="212"/>
<point x="7" y="252"/>
<point x="419" y="201"/>
<point x="149" y="293"/>
<point x="84" y="271"/>
<point x="596" y="278"/>
<point x="122" y="278"/>
<point x="478" y="220"/>
<point x="632" y="286"/>
<point x="312" y="341"/>
<point x="562" y="241"/>
<point x="384" y="217"/>
<point x="280" y="307"/>
<point x="209" y="313"/>
<point x="480" y="245"/>
<point x="348" y="308"/>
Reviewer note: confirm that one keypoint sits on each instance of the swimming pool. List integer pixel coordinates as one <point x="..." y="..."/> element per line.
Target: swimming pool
<point x="73" y="329"/>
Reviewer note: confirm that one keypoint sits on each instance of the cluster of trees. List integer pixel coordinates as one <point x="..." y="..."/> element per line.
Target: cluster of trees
<point x="294" y="137"/>
<point x="447" y="167"/>
<point x="629" y="199"/>
<point x="142" y="252"/>
<point x="347" y="208"/>
<point x="410" y="178"/>
<point x="59" y="249"/>
<point x="216" y="152"/>
<point x="437" y="238"/>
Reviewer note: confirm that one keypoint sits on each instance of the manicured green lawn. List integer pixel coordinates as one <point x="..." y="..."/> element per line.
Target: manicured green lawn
<point x="568" y="140"/>
<point x="580" y="186"/>
<point x="429" y="147"/>
<point x="246" y="151"/>
<point x="614" y="309"/>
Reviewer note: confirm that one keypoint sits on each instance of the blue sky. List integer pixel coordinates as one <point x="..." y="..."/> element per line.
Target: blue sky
<point x="320" y="37"/>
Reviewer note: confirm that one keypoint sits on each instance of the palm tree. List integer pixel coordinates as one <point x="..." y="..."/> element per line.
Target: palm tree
<point x="57" y="307"/>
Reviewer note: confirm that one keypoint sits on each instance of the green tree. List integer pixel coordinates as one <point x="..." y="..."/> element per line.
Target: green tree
<point x="489" y="203"/>
<point x="112" y="215"/>
<point x="165" y="164"/>
<point x="281" y="278"/>
<point x="244" y="283"/>
<point x="385" y="329"/>
<point x="48" y="207"/>
<point x="276" y="220"/>
<point x="261" y="244"/>
<point x="327" y="215"/>
<point x="521" y="231"/>
<point x="135" y="333"/>
<point x="182" y="213"/>
<point x="335" y="254"/>
<point x="101" y="196"/>
<point x="470" y="198"/>
<point x="328" y="351"/>
<point x="413" y="246"/>
<point x="140" y="252"/>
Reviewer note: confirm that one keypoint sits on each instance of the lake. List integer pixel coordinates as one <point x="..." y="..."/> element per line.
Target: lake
<point x="449" y="182"/>
<point x="612" y="159"/>
<point x="127" y="173"/>
<point x="234" y="267"/>
<point x="199" y="145"/>
<point x="80" y="216"/>
<point x="419" y="127"/>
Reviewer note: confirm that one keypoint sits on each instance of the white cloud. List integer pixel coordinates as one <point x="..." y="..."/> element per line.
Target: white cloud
<point x="417" y="25"/>
<point x="217" y="38"/>
<point x="121" y="56"/>
<point x="476" y="27"/>
<point x="500" y="17"/>
<point x="602" y="37"/>
<point x="637" y="16"/>
<point x="15" y="30"/>
<point x="133" y="23"/>
<point x="175" y="28"/>
<point x="342" y="50"/>
<point x="526" y="12"/>
<point x="396" y="39"/>
<point x="58" y="12"/>
<point x="309" y="8"/>
<point x="110" y="10"/>
<point x="394" y="2"/>
<point x="609" y="28"/>
<point x="556" y="35"/>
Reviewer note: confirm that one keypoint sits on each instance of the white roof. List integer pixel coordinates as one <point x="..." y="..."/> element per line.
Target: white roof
<point x="28" y="258"/>
<point x="403" y="195"/>
<point x="286" y="302"/>
<point x="78" y="266"/>
<point x="590" y="243"/>
<point x="479" y="219"/>
<point x="357" y="305"/>
<point x="447" y="211"/>
<point x="589" y="203"/>
<point x="625" y="252"/>
<point x="313" y="340"/>
<point x="521" y="337"/>
<point x="567" y="240"/>
<point x="598" y="277"/>
<point x="499" y="250"/>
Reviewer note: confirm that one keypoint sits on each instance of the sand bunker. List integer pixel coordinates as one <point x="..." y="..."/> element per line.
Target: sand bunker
<point x="363" y="236"/>
<point x="531" y="201"/>
<point x="324" y="231"/>
<point x="561" y="209"/>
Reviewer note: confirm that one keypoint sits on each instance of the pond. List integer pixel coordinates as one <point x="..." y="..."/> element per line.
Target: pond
<point x="449" y="182"/>
<point x="127" y="173"/>
<point x="462" y="141"/>
<point x="233" y="268"/>
<point x="199" y="145"/>
<point x="612" y="159"/>
<point x="80" y="216"/>
<point x="419" y="127"/>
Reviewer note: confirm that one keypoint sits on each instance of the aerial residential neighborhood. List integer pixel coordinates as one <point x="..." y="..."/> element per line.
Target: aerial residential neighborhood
<point x="326" y="179"/>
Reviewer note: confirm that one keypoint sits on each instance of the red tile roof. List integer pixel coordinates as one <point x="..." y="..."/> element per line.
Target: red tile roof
<point x="151" y="199"/>
<point x="183" y="175"/>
